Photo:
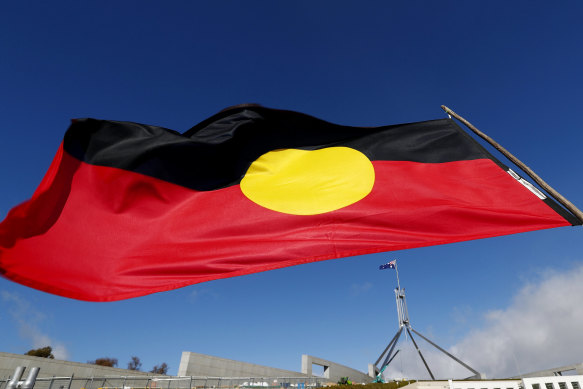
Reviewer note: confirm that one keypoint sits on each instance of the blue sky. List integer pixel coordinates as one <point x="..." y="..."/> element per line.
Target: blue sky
<point x="512" y="68"/>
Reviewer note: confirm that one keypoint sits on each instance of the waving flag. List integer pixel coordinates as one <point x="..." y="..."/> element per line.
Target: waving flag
<point x="389" y="265"/>
<point x="128" y="209"/>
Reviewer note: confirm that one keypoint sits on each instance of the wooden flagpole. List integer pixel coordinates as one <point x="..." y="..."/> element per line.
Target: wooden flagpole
<point x="566" y="203"/>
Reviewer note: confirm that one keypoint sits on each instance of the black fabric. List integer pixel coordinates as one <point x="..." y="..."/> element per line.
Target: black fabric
<point x="217" y="153"/>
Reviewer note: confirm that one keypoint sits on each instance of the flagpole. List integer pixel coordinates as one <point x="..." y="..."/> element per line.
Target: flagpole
<point x="403" y="315"/>
<point x="397" y="270"/>
<point x="566" y="203"/>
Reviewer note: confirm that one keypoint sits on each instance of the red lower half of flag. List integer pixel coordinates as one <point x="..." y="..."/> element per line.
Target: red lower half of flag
<point x="102" y="234"/>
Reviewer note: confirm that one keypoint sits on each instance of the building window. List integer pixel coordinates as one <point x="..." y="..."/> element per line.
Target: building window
<point x="549" y="385"/>
<point x="575" y="385"/>
<point x="562" y="385"/>
<point x="535" y="386"/>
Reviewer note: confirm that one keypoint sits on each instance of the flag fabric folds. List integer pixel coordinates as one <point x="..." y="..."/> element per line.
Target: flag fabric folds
<point x="128" y="209"/>
<point x="389" y="265"/>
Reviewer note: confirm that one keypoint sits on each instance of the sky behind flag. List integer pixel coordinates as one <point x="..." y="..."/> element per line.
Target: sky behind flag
<point x="512" y="69"/>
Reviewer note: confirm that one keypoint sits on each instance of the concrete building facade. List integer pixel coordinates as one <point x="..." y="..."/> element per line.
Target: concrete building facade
<point x="576" y="368"/>
<point x="57" y="368"/>
<point x="200" y="370"/>
<point x="191" y="365"/>
<point x="333" y="371"/>
<point x="195" y="364"/>
<point x="539" y="382"/>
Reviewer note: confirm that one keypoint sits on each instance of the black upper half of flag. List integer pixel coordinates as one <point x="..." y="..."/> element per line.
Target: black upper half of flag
<point x="218" y="152"/>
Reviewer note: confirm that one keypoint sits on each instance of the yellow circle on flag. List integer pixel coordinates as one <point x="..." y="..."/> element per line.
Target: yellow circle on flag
<point x="308" y="182"/>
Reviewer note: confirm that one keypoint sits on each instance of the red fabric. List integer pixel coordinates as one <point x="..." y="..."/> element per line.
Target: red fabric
<point x="103" y="234"/>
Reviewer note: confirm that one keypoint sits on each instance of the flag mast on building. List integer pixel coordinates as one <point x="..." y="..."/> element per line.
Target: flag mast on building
<point x="377" y="369"/>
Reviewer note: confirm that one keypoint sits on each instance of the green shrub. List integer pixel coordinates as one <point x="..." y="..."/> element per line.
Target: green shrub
<point x="388" y="385"/>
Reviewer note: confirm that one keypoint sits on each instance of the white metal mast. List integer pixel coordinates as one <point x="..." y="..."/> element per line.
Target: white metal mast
<point x="404" y="322"/>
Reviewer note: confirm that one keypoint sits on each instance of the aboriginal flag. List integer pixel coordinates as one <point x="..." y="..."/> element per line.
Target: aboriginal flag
<point x="128" y="209"/>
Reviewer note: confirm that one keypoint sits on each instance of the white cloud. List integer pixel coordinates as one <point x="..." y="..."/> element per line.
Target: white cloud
<point x="28" y="320"/>
<point x="540" y="329"/>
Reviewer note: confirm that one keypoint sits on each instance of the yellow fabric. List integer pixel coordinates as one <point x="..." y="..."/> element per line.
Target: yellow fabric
<point x="305" y="182"/>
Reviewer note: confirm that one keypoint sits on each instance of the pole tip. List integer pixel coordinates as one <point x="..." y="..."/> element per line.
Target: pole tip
<point x="447" y="110"/>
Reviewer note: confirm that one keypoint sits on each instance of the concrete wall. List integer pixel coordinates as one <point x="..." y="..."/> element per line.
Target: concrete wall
<point x="334" y="371"/>
<point x="577" y="368"/>
<point x="556" y="382"/>
<point x="194" y="364"/>
<point x="191" y="364"/>
<point x="427" y="385"/>
<point x="484" y="384"/>
<point x="463" y="384"/>
<point x="57" y="368"/>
